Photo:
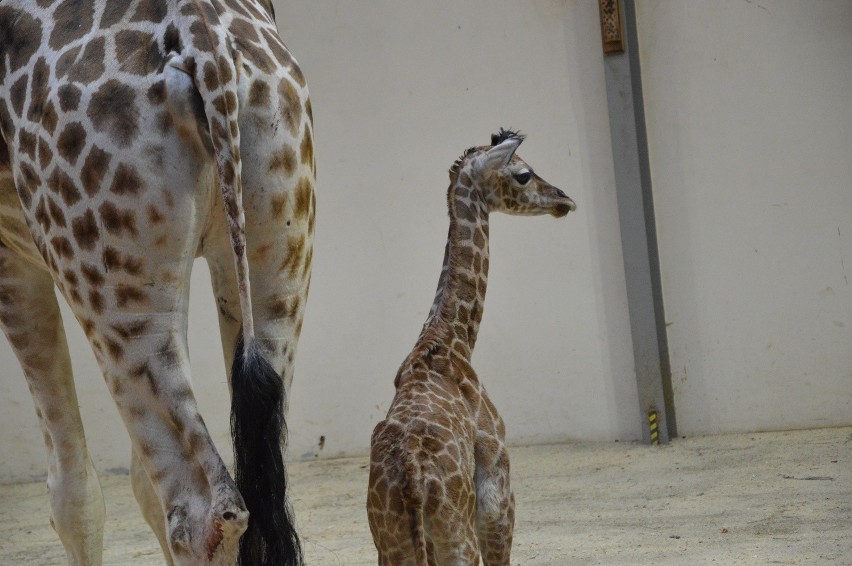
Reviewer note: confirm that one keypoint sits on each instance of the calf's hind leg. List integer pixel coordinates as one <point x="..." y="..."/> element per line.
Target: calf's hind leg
<point x="495" y="508"/>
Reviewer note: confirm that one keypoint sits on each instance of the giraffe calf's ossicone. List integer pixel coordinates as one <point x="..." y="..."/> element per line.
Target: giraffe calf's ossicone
<point x="131" y="135"/>
<point x="439" y="489"/>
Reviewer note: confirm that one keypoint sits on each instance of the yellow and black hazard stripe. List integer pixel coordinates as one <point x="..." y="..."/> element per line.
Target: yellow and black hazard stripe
<point x="655" y="433"/>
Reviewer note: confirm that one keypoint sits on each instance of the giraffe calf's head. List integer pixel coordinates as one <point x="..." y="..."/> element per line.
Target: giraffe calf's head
<point x="509" y="184"/>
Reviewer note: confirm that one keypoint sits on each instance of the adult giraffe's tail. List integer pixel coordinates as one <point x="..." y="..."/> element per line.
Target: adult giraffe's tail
<point x="257" y="391"/>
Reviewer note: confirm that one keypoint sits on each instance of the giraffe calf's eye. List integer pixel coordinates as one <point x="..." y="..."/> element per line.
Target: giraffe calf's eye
<point x="523" y="177"/>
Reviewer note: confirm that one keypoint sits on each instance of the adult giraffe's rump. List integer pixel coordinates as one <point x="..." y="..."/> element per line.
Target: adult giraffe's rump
<point x="126" y="128"/>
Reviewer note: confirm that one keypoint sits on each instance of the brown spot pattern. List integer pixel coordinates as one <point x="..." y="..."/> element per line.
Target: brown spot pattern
<point x="96" y="301"/>
<point x="291" y="107"/>
<point x="137" y="52"/>
<point x="285" y="307"/>
<point x="126" y="180"/>
<point x="85" y="230"/>
<point x="150" y="11"/>
<point x="18" y="94"/>
<point x="20" y="39"/>
<point x="4" y="154"/>
<point x="42" y="216"/>
<point x="72" y="20"/>
<point x="224" y="69"/>
<point x="56" y="213"/>
<point x="284" y="159"/>
<point x="113" y="110"/>
<point x="131" y="329"/>
<point x="116" y="221"/>
<point x="90" y="67"/>
<point x="303" y="190"/>
<point x="49" y="118"/>
<point x="157" y="93"/>
<point x="259" y="94"/>
<point x="243" y="30"/>
<point x="306" y="148"/>
<point x="113" y="260"/>
<point x="92" y="275"/>
<point x="295" y="254"/>
<point x="69" y="97"/>
<point x="62" y="247"/>
<point x="94" y="169"/>
<point x="27" y="183"/>
<point x="71" y="141"/>
<point x="278" y="205"/>
<point x="45" y="154"/>
<point x="276" y="46"/>
<point x="70" y="278"/>
<point x="38" y="90"/>
<point x="238" y="8"/>
<point x="125" y="294"/>
<point x="154" y="214"/>
<point x="113" y="12"/>
<point x="60" y="183"/>
<point x="256" y="55"/>
<point x="221" y="103"/>
<point x="171" y="40"/>
<point x="27" y="143"/>
<point x="66" y="60"/>
<point x="144" y="371"/>
<point x="202" y="37"/>
<point x="168" y="352"/>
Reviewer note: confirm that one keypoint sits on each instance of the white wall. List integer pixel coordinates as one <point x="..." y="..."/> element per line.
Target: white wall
<point x="750" y="134"/>
<point x="399" y="89"/>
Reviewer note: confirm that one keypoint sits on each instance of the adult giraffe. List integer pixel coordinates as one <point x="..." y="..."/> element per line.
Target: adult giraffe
<point x="126" y="128"/>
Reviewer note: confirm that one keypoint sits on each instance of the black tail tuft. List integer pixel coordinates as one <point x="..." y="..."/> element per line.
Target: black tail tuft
<point x="258" y="430"/>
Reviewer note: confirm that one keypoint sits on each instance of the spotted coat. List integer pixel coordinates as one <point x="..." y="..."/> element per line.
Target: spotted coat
<point x="135" y="136"/>
<point x="439" y="489"/>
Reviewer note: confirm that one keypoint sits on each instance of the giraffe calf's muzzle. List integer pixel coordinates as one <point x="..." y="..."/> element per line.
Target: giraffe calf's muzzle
<point x="564" y="206"/>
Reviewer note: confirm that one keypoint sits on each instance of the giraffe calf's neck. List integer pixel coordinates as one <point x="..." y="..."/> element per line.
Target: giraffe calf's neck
<point x="439" y="490"/>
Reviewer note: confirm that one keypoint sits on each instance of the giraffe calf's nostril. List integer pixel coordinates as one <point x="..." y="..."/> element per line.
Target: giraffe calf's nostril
<point x="229" y="516"/>
<point x="560" y="193"/>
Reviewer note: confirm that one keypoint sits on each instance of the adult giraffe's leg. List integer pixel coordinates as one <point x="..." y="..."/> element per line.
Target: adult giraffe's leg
<point x="278" y="184"/>
<point x="144" y="358"/>
<point x="278" y="176"/>
<point x="279" y="258"/>
<point x="29" y="315"/>
<point x="227" y="300"/>
<point x="278" y="196"/>
<point x="278" y="297"/>
<point x="128" y="288"/>
<point x="146" y="497"/>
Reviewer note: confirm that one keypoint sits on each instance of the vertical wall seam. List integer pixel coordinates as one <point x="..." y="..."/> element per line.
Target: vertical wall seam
<point x="638" y="232"/>
<point x="650" y="217"/>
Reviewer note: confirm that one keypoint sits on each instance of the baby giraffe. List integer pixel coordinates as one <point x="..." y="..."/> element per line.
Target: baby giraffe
<point x="439" y="470"/>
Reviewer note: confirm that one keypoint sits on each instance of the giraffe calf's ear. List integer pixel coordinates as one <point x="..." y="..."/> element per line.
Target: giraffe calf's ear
<point x="498" y="156"/>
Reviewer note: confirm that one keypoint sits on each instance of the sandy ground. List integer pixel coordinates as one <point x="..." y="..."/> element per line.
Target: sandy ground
<point x="770" y="498"/>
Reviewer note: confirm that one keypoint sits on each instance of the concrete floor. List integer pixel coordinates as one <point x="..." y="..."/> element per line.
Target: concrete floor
<point x="770" y="498"/>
